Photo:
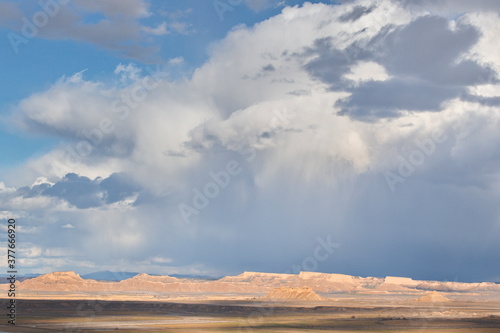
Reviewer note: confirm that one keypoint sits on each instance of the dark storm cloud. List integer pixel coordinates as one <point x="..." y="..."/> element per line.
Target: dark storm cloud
<point x="83" y="192"/>
<point x="31" y="192"/>
<point x="427" y="49"/>
<point x="269" y="68"/>
<point x="78" y="191"/>
<point x="422" y="57"/>
<point x="422" y="237"/>
<point x="331" y="64"/>
<point x="381" y="99"/>
<point x="118" y="187"/>
<point x="488" y="101"/>
<point x="453" y="5"/>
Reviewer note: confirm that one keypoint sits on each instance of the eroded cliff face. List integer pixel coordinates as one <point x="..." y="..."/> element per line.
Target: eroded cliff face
<point x="248" y="282"/>
<point x="300" y="293"/>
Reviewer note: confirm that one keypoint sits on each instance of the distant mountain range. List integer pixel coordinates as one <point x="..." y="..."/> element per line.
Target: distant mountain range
<point x="4" y="277"/>
<point x="109" y="276"/>
<point x="119" y="276"/>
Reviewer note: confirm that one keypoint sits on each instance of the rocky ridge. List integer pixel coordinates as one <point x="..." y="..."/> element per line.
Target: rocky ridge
<point x="248" y="282"/>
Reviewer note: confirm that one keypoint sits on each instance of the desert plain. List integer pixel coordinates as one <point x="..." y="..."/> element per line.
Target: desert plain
<point x="252" y="302"/>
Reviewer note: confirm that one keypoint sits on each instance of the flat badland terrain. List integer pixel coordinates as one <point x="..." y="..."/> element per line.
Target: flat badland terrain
<point x="252" y="302"/>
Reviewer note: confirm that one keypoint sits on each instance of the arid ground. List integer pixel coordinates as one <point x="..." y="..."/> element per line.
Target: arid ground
<point x="346" y="313"/>
<point x="257" y="302"/>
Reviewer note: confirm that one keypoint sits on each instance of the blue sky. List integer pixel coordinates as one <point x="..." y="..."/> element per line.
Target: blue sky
<point x="213" y="137"/>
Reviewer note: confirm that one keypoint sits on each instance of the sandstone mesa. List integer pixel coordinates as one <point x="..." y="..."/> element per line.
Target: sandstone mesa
<point x="247" y="282"/>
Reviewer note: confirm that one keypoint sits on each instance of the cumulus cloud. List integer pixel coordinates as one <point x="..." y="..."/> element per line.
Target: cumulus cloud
<point x="424" y="59"/>
<point x="269" y="146"/>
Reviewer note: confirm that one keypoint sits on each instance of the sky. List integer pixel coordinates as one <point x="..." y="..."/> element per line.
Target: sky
<point x="216" y="137"/>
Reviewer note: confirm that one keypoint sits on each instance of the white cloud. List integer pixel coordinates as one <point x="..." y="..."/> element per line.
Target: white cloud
<point x="40" y="181"/>
<point x="159" y="30"/>
<point x="31" y="252"/>
<point x="366" y="71"/>
<point x="157" y="261"/>
<point x="26" y="204"/>
<point x="49" y="265"/>
<point x="485" y="90"/>
<point x="128" y="73"/>
<point x="486" y="50"/>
